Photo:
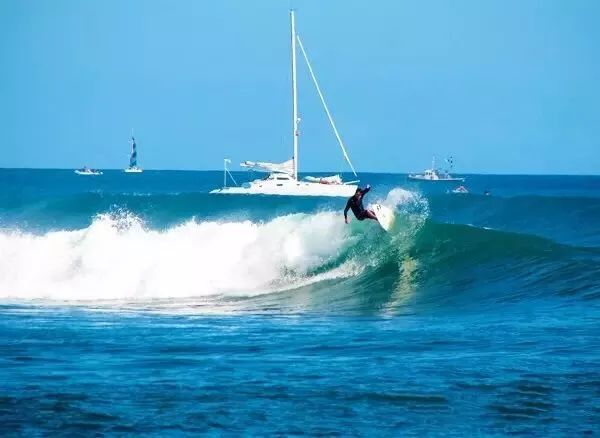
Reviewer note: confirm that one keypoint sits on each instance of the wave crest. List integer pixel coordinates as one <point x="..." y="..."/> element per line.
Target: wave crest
<point x="117" y="257"/>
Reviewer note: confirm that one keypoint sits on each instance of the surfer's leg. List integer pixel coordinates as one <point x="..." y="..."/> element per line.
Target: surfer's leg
<point x="362" y="215"/>
<point x="369" y="214"/>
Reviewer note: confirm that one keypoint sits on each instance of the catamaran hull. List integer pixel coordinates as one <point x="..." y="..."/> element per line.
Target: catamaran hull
<point x="297" y="189"/>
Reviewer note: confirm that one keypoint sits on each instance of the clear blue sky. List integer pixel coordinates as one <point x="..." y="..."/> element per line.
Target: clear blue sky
<point x="506" y="86"/>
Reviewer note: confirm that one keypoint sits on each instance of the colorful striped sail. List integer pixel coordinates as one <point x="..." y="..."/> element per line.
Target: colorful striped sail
<point x="133" y="157"/>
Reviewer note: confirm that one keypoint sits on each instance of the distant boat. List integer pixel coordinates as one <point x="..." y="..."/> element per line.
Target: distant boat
<point x="282" y="178"/>
<point x="86" y="171"/>
<point x="436" y="175"/>
<point x="133" y="167"/>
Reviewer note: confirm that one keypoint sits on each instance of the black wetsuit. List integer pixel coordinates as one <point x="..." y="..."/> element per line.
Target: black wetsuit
<point x="356" y="205"/>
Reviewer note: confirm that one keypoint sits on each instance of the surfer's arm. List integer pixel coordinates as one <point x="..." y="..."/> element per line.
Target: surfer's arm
<point x="366" y="190"/>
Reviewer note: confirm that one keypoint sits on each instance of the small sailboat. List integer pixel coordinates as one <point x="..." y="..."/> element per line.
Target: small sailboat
<point x="282" y="178"/>
<point x="436" y="175"/>
<point x="86" y="171"/>
<point x="133" y="167"/>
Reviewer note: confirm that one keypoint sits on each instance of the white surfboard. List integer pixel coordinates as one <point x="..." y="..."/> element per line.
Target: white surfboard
<point x="385" y="216"/>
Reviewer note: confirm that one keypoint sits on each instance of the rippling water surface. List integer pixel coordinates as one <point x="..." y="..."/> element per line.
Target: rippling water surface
<point x="141" y="304"/>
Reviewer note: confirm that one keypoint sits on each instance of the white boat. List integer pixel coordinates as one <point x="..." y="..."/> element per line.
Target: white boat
<point x="133" y="167"/>
<point x="282" y="178"/>
<point x="86" y="171"/>
<point x="133" y="170"/>
<point x="436" y="175"/>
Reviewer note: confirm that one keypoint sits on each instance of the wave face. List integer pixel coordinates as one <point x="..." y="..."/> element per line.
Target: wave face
<point x="566" y="219"/>
<point x="249" y="253"/>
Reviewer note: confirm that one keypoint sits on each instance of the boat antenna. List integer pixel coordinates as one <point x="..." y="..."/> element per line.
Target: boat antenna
<point x="226" y="172"/>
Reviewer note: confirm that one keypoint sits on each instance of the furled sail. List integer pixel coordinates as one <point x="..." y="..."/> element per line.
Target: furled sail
<point x="333" y="179"/>
<point x="261" y="166"/>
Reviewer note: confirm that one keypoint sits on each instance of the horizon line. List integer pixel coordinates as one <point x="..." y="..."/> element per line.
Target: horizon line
<point x="304" y="172"/>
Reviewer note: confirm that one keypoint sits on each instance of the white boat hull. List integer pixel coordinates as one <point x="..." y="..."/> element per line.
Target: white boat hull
<point x="294" y="188"/>
<point x="87" y="173"/>
<point x="133" y="170"/>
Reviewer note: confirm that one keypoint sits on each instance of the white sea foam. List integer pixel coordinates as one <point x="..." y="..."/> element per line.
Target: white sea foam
<point x="118" y="258"/>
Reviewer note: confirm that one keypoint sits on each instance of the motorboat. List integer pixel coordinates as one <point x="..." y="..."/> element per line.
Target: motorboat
<point x="436" y="175"/>
<point x="86" y="171"/>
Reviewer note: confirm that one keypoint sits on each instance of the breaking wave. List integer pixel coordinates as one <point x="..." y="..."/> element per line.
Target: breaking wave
<point x="120" y="258"/>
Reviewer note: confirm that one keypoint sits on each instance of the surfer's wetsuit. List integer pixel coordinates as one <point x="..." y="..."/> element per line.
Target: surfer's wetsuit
<point x="355" y="203"/>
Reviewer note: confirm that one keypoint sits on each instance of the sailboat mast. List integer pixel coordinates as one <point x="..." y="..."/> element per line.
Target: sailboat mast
<point x="294" y="95"/>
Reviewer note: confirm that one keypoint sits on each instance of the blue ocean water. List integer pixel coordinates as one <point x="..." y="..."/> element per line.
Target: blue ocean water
<point x="142" y="304"/>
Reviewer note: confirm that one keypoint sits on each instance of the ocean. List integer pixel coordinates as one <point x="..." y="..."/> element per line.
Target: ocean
<point x="141" y="304"/>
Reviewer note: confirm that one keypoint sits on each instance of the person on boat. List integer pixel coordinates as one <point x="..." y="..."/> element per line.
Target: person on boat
<point x="355" y="203"/>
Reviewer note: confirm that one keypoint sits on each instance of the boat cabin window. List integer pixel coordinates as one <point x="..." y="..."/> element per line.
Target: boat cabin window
<point x="279" y="177"/>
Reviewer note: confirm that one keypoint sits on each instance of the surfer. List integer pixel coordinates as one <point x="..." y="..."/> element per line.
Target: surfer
<point x="355" y="203"/>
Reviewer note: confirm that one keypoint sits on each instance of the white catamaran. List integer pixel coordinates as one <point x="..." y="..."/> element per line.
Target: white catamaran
<point x="133" y="167"/>
<point x="282" y="178"/>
